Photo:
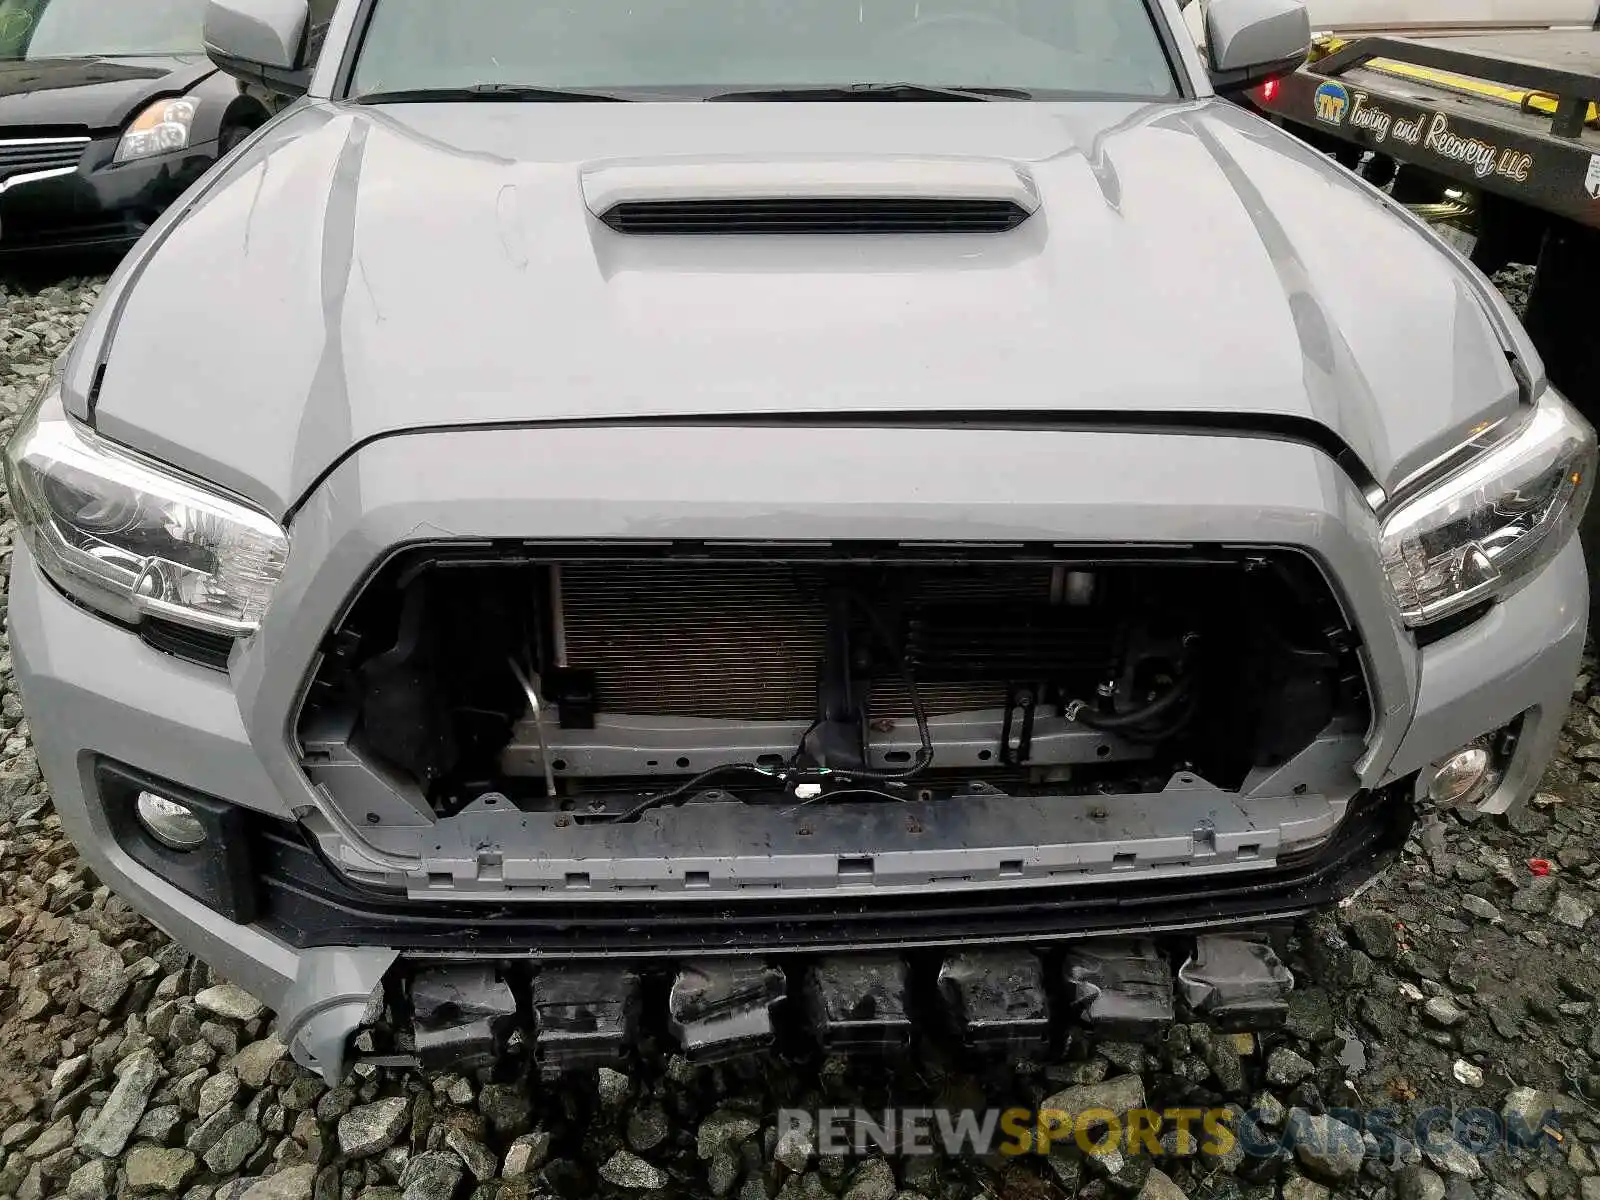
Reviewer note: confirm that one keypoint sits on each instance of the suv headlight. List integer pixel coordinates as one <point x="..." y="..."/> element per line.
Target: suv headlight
<point x="129" y="539"/>
<point x="1494" y="520"/>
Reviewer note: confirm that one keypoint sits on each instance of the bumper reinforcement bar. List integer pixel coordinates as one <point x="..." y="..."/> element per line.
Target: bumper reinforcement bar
<point x="994" y="1001"/>
<point x="306" y="903"/>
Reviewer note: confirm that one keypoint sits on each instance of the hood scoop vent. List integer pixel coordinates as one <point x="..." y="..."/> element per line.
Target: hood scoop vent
<point x="822" y="215"/>
<point x="895" y="196"/>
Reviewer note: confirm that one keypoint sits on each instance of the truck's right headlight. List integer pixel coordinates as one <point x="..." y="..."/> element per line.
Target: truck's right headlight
<point x="1491" y="522"/>
<point x="122" y="535"/>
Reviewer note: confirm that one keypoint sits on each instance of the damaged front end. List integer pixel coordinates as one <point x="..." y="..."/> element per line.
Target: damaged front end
<point x="576" y="787"/>
<point x="655" y="700"/>
<point x="994" y="1002"/>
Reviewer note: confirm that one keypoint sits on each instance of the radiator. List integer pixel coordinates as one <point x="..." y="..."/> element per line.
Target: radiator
<point x="746" y="641"/>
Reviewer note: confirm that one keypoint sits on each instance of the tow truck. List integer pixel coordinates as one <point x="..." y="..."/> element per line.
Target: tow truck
<point x="1481" y="116"/>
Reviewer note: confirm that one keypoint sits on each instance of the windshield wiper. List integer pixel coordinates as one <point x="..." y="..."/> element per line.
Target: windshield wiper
<point x="877" y="91"/>
<point x="489" y="91"/>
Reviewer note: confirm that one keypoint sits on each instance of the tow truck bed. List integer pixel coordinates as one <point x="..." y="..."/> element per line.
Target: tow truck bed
<point x="1507" y="113"/>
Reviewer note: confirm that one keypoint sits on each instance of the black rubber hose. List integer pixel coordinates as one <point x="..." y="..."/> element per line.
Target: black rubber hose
<point x="1150" y="735"/>
<point x="1113" y="722"/>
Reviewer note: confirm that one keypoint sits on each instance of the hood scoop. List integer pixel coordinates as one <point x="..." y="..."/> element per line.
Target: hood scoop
<point x="805" y="196"/>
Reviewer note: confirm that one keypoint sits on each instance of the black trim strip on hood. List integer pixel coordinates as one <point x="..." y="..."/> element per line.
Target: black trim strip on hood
<point x="1268" y="426"/>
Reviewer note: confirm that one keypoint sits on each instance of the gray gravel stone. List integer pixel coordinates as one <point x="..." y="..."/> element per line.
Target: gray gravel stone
<point x="1285" y="1068"/>
<point x="873" y="1180"/>
<point x="1374" y="932"/>
<point x="1481" y="908"/>
<point x="723" y="1129"/>
<point x="647" y="1129"/>
<point x="1222" y="1056"/>
<point x="229" y="1002"/>
<point x="254" y="1063"/>
<point x="474" y="1154"/>
<point x="68" y="1074"/>
<point x="49" y="1140"/>
<point x="237" y="1143"/>
<point x="121" y="1112"/>
<point x="1119" y="1095"/>
<point x="1536" y="896"/>
<point x="217" y="1092"/>
<point x="334" y="1103"/>
<point x="1525" y="1109"/>
<point x="103" y="980"/>
<point x="625" y="1169"/>
<point x="1571" y="911"/>
<point x="32" y="1186"/>
<point x="1126" y="1058"/>
<point x="95" y="1180"/>
<point x="1269" y="1111"/>
<point x="1450" y="1157"/>
<point x="1443" y="1012"/>
<point x="159" y="1124"/>
<point x="186" y="1090"/>
<point x="371" y="1128"/>
<point x="722" y="1172"/>
<point x="526" y="1154"/>
<point x="291" y="1183"/>
<point x="158" y="1171"/>
<point x="794" y="1149"/>
<point x="614" y="1087"/>
<point x="1159" y="1186"/>
<point x="301" y="1093"/>
<point x="431" y="1176"/>
<point x="208" y="1132"/>
<point x="1326" y="1147"/>
<point x="1301" y="1188"/>
<point x="505" y="1106"/>
<point x="1417" y="1183"/>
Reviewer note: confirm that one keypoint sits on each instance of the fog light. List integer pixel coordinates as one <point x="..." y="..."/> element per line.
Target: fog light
<point x="1463" y="777"/>
<point x="169" y="822"/>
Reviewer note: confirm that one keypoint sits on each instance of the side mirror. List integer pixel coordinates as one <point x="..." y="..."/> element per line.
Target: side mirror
<point x="261" y="41"/>
<point x="1251" y="41"/>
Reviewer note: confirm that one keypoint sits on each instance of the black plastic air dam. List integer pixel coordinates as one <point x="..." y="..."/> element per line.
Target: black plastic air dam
<point x="306" y="903"/>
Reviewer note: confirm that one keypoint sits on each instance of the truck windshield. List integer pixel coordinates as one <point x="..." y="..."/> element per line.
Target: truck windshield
<point x="765" y="49"/>
<point x="39" y="29"/>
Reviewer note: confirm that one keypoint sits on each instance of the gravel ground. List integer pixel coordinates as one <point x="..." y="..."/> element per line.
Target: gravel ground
<point x="1461" y="980"/>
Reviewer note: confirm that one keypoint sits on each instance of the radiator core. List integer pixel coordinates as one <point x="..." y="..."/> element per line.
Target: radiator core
<point x="746" y="641"/>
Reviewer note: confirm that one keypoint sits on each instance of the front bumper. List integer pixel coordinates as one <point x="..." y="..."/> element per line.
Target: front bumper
<point x="305" y="903"/>
<point x="318" y="943"/>
<point x="100" y="207"/>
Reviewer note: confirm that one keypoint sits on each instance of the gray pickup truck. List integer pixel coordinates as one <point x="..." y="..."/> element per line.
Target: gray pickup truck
<point x="604" y="515"/>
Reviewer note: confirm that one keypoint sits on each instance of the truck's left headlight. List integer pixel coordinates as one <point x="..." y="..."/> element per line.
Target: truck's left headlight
<point x="129" y="539"/>
<point x="1494" y="520"/>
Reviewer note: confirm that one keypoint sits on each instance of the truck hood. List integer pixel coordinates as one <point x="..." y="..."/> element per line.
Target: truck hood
<point x="367" y="271"/>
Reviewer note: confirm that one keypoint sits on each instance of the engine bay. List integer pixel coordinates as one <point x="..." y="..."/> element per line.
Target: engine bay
<point x="608" y="680"/>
